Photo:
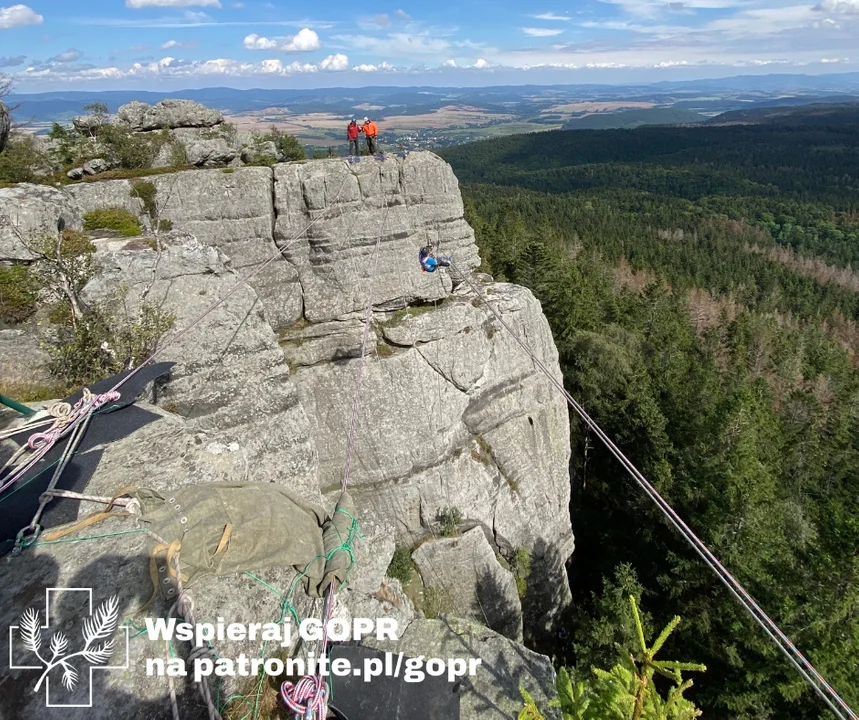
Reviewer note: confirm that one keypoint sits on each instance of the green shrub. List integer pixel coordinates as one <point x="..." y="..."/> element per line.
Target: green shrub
<point x="104" y="342"/>
<point x="130" y="150"/>
<point x="19" y="291"/>
<point x="401" y="567"/>
<point x="21" y="158"/>
<point x="628" y="689"/>
<point x="114" y="218"/>
<point x="66" y="148"/>
<point x="287" y="145"/>
<point x="146" y="191"/>
<point x="449" y="520"/>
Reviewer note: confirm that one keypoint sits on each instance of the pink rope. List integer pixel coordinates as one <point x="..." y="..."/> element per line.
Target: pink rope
<point x="42" y="442"/>
<point x="307" y="697"/>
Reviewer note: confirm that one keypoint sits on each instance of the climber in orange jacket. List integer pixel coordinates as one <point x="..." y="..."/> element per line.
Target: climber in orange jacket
<point x="371" y="132"/>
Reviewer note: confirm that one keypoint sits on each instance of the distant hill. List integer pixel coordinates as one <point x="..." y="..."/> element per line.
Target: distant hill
<point x="634" y="118"/>
<point x="814" y="114"/>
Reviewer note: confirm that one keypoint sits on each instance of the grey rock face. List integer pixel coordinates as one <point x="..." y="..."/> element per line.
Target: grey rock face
<point x="330" y="215"/>
<point x="470" y="582"/>
<point x="231" y="378"/>
<point x="457" y="417"/>
<point x="23" y="362"/>
<point x="5" y="125"/>
<point x="29" y="212"/>
<point x="453" y="413"/>
<point x="493" y="692"/>
<point x="167" y="113"/>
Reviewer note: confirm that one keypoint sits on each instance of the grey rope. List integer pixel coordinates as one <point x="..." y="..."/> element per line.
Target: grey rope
<point x="808" y="672"/>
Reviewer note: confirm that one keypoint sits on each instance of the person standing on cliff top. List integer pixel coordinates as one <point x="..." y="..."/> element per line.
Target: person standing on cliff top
<point x="352" y="132"/>
<point x="371" y="132"/>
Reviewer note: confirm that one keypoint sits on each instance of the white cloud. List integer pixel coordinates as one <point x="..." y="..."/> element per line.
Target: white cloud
<point x="541" y="32"/>
<point x="170" y="44"/>
<point x="381" y="67"/>
<point x="137" y="4"/>
<point x="68" y="56"/>
<point x="335" y="63"/>
<point x="551" y="16"/>
<point x="833" y="61"/>
<point x="413" y="46"/>
<point x="481" y="64"/>
<point x="304" y="41"/>
<point x="449" y="63"/>
<point x="257" y="42"/>
<point x="839" y="7"/>
<point x="18" y="16"/>
<point x="402" y="15"/>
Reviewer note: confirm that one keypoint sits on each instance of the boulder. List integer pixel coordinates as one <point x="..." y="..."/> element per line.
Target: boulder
<point x="5" y="125"/>
<point x="76" y="173"/>
<point x="28" y="212"/>
<point x="258" y="150"/>
<point x="169" y="113"/>
<point x="210" y="151"/>
<point x="492" y="693"/>
<point x="88" y="124"/>
<point x="232" y="211"/>
<point x="96" y="166"/>
<point x="470" y="583"/>
<point x="23" y="360"/>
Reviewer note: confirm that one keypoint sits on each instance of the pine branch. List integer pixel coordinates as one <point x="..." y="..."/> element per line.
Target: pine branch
<point x="59" y="644"/>
<point x="70" y="676"/>
<point x="100" y="654"/>
<point x="31" y="632"/>
<point x="103" y="623"/>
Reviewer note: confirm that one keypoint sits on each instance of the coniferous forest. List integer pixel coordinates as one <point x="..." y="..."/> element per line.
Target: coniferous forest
<point x="701" y="291"/>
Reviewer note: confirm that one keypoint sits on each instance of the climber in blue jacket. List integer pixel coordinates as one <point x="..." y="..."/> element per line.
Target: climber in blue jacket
<point x="429" y="262"/>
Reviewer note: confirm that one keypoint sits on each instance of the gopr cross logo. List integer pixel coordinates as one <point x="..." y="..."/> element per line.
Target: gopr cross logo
<point x="98" y="646"/>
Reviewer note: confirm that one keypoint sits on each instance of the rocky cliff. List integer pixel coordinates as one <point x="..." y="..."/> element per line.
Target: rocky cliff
<point x="457" y="427"/>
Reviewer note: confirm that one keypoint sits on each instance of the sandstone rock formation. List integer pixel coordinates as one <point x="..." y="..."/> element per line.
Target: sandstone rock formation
<point x="169" y="113"/>
<point x="27" y="212"/>
<point x="454" y="415"/>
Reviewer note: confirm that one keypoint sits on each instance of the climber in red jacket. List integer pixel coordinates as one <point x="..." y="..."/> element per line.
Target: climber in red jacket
<point x="352" y="132"/>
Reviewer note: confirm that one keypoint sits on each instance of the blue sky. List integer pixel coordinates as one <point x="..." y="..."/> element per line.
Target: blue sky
<point x="161" y="44"/>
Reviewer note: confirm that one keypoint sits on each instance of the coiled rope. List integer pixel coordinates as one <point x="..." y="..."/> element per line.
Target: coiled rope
<point x="808" y="672"/>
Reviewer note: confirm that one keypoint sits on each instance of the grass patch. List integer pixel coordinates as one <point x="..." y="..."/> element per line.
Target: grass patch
<point x="436" y="602"/>
<point x="408" y="311"/>
<point x="34" y="392"/>
<point x="114" y="218"/>
<point x="521" y="568"/>
<point x="384" y="350"/>
<point x="19" y="291"/>
<point x="227" y="171"/>
<point x="483" y="452"/>
<point x="401" y="567"/>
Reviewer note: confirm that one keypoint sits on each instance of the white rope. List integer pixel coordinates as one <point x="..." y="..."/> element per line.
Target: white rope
<point x="832" y="699"/>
